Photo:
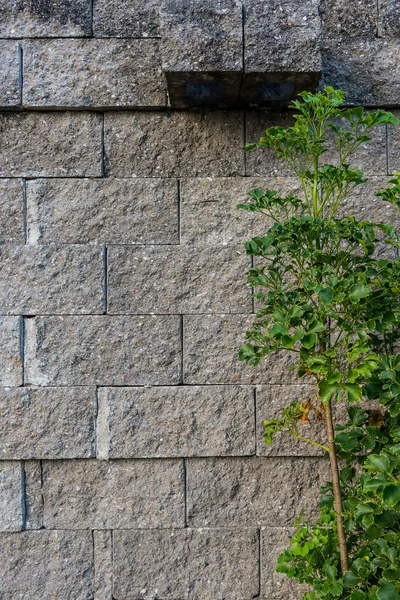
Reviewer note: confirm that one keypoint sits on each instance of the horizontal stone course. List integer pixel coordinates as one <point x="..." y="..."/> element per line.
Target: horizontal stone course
<point x="47" y="423"/>
<point x="191" y="144"/>
<point x="180" y="279"/>
<point x="50" y="144"/>
<point x="10" y="94"/>
<point x="89" y="73"/>
<point x="11" y="501"/>
<point x="46" y="564"/>
<point x="103" y="350"/>
<point x="10" y="354"/>
<point x="175" y="421"/>
<point x="187" y="564"/>
<point x="113" y="495"/>
<point x="131" y="19"/>
<point x="11" y="212"/>
<point x="253" y="491"/>
<point x="51" y="280"/>
<point x="111" y="211"/>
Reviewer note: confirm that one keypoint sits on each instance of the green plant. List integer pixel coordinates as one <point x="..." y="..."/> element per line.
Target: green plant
<point x="326" y="297"/>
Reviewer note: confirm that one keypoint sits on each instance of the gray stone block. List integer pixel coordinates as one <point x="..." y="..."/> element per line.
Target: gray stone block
<point x="253" y="491"/>
<point x="33" y="494"/>
<point x="338" y="21"/>
<point x="187" y="564"/>
<point x="47" y="423"/>
<point x="89" y="73"/>
<point x="103" y="560"/>
<point x="202" y="51"/>
<point x="46" y="564"/>
<point x="211" y="346"/>
<point x="111" y="211"/>
<point x="11" y="498"/>
<point x="263" y="162"/>
<point x="129" y="19"/>
<point x="10" y="344"/>
<point x="50" y="144"/>
<point x="11" y="212"/>
<point x="103" y="350"/>
<point x="389" y="18"/>
<point x="148" y="144"/>
<point x="275" y="540"/>
<point x="394" y="145"/>
<point x="363" y="204"/>
<point x="51" y="279"/>
<point x="208" y="208"/>
<point x="175" y="421"/>
<point x="177" y="279"/>
<point x="46" y="18"/>
<point x="10" y="94"/>
<point x="113" y="495"/>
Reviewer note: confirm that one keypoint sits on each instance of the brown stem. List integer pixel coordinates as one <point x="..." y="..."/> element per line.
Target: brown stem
<point x="337" y="494"/>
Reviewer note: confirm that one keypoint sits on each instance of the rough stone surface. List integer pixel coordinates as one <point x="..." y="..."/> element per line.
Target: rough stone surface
<point x="339" y="21"/>
<point x="130" y="19"/>
<point x="103" y="560"/>
<point x="394" y="146"/>
<point x="47" y="423"/>
<point x="10" y="357"/>
<point x="168" y="279"/>
<point x="11" y="212"/>
<point x="253" y="491"/>
<point x="177" y="144"/>
<point x="93" y="73"/>
<point x="50" y="144"/>
<point x="51" y="279"/>
<point x="211" y="345"/>
<point x="44" y="18"/>
<point x="204" y="563"/>
<point x="9" y="74"/>
<point x="46" y="564"/>
<point x="103" y="350"/>
<point x="33" y="495"/>
<point x="175" y="421"/>
<point x="262" y="162"/>
<point x="111" y="211"/>
<point x="363" y="204"/>
<point x="275" y="540"/>
<point x="11" y="502"/>
<point x="389" y="18"/>
<point x="113" y="495"/>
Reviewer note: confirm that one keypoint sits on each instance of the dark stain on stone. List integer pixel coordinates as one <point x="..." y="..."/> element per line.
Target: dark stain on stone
<point x="62" y="11"/>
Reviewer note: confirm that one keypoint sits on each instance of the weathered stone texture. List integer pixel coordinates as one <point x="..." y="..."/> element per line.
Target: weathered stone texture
<point x="51" y="279"/>
<point x="11" y="212"/>
<point x="33" y="495"/>
<point x="10" y="356"/>
<point x="175" y="421"/>
<point x="212" y="343"/>
<point x="340" y="21"/>
<point x="275" y="540"/>
<point x="253" y="491"/>
<point x="187" y="564"/>
<point x="113" y="495"/>
<point x="174" y="144"/>
<point x="389" y="18"/>
<point x="46" y="564"/>
<point x="263" y="162"/>
<point x="93" y="73"/>
<point x="130" y="19"/>
<point x="50" y="144"/>
<point x="363" y="204"/>
<point x="103" y="560"/>
<point x="9" y="74"/>
<point x="103" y="350"/>
<point x="11" y="500"/>
<point x="168" y="279"/>
<point x="112" y="211"/>
<point x="47" y="423"/>
<point x="394" y="145"/>
<point x="44" y="18"/>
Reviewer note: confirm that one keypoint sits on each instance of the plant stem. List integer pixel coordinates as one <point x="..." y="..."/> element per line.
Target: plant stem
<point x="337" y="494"/>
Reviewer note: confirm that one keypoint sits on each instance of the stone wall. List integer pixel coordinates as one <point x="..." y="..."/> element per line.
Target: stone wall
<point x="132" y="460"/>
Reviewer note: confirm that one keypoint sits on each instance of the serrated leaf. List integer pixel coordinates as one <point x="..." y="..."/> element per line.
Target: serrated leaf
<point x="391" y="494"/>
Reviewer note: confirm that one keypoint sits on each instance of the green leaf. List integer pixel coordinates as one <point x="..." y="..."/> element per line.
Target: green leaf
<point x="353" y="392"/>
<point x="326" y="295"/>
<point x="349" y="579"/>
<point x="358" y="291"/>
<point x="376" y="462"/>
<point x="391" y="494"/>
<point x="387" y="591"/>
<point x="308" y="341"/>
<point x="327" y="390"/>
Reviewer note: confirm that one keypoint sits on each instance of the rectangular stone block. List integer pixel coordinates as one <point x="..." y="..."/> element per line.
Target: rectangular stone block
<point x="338" y="22"/>
<point x="11" y="212"/>
<point x="394" y="146"/>
<point x="93" y="73"/>
<point x="275" y="540"/>
<point x="47" y="18"/>
<point x="104" y="350"/>
<point x="103" y="561"/>
<point x="11" y="351"/>
<point x="192" y="144"/>
<point x="11" y="497"/>
<point x="130" y="19"/>
<point x="389" y="18"/>
<point x="187" y="564"/>
<point x="177" y="279"/>
<point x="10" y="94"/>
<point x="50" y="144"/>
<point x="47" y="423"/>
<point x="208" y="208"/>
<point x="175" y="421"/>
<point x="33" y="494"/>
<point x="46" y="564"/>
<point x="253" y="491"/>
<point x="211" y="346"/>
<point x="113" y="495"/>
<point x="51" y="279"/>
<point x="109" y="211"/>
